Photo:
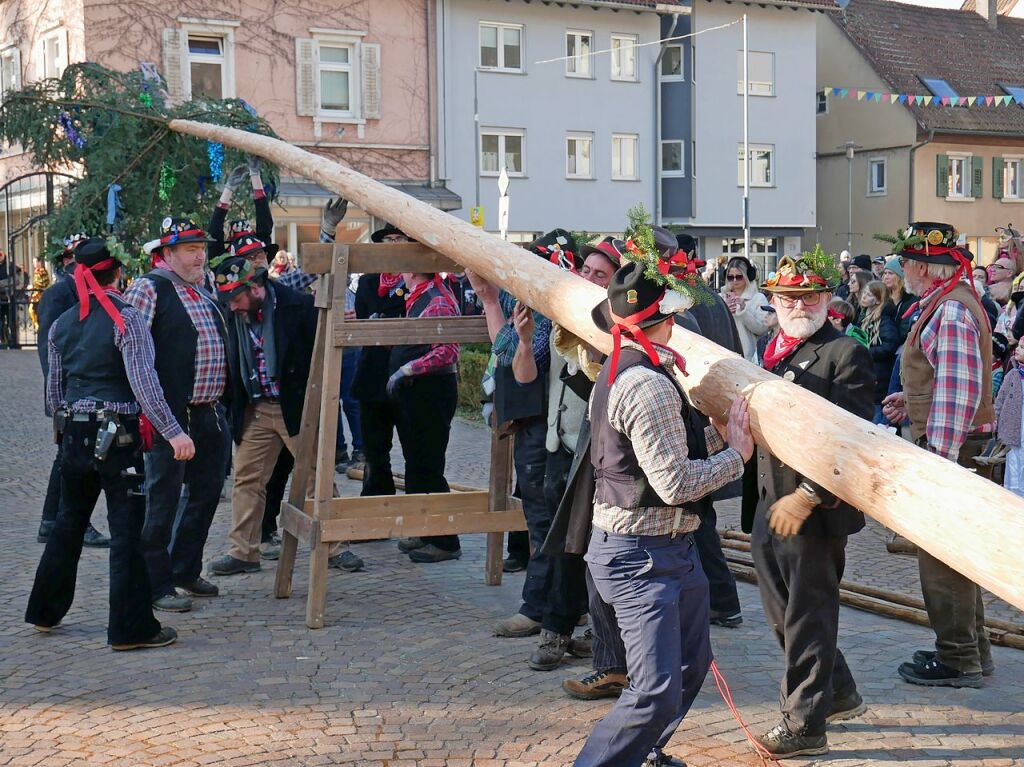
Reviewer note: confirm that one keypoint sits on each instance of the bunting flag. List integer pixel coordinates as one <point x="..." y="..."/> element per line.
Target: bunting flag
<point x="959" y="102"/>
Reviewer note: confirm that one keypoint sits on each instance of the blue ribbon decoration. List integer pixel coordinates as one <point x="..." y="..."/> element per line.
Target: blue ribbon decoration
<point x="114" y="205"/>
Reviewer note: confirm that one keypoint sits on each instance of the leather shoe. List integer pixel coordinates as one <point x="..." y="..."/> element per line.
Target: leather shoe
<point x="200" y="587"/>
<point x="95" y="539"/>
<point x="923" y="656"/>
<point x="431" y="553"/>
<point x="516" y="626"/>
<point x="162" y="638"/>
<point x="935" y="673"/>
<point x="229" y="565"/>
<point x="44" y="530"/>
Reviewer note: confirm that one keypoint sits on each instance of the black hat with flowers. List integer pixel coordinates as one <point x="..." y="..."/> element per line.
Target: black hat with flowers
<point x="177" y="231"/>
<point x="242" y="227"/>
<point x="928" y="241"/>
<point x="235" y="274"/>
<point x="559" y="247"/>
<point x="247" y="246"/>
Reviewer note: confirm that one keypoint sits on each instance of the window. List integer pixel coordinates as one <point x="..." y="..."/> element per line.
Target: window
<point x="760" y="73"/>
<point x="764" y="251"/>
<point x="624" y="156"/>
<point x="206" y="64"/>
<point x="578" y="148"/>
<point x="501" y="150"/>
<point x="877" y="177"/>
<point x="959" y="177"/>
<point x="939" y="87"/>
<point x="624" y="57"/>
<point x="672" y="158"/>
<point x="821" y="105"/>
<point x="336" y="74"/>
<point x="1012" y="178"/>
<point x="762" y="165"/>
<point x="55" y="53"/>
<point x="501" y="47"/>
<point x="1017" y="91"/>
<point x="693" y="63"/>
<point x="672" y="63"/>
<point x="577" y="48"/>
<point x="10" y="70"/>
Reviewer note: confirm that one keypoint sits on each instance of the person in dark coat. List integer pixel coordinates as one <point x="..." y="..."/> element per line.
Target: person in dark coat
<point x="800" y="530"/>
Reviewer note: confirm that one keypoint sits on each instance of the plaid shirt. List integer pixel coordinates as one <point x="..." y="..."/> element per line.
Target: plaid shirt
<point x="507" y="340"/>
<point x="645" y="406"/>
<point x="440" y="355"/>
<point x="952" y="343"/>
<point x="296" y="279"/>
<point x="211" y="362"/>
<point x="136" y="346"/>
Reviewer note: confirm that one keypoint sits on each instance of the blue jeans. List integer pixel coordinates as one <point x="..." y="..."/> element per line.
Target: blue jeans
<point x="349" y="404"/>
<point x="660" y="596"/>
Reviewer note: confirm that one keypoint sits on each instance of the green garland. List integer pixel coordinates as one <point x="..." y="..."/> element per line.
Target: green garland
<point x="903" y="240"/>
<point x="641" y="250"/>
<point x="824" y="265"/>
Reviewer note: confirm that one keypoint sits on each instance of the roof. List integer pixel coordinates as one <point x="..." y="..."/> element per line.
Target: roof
<point x="1003" y="7"/>
<point x="667" y="5"/>
<point x="300" y="192"/>
<point x="904" y="43"/>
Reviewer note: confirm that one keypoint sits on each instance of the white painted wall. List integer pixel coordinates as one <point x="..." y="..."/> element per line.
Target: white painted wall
<point x="546" y="104"/>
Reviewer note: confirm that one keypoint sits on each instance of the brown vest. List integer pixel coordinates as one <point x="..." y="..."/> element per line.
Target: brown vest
<point x="918" y="375"/>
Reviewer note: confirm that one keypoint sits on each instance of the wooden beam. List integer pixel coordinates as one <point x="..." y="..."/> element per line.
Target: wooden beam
<point x="376" y="257"/>
<point x="966" y="521"/>
<point x="500" y="482"/>
<point x="396" y="505"/>
<point x="355" y="528"/>
<point x="298" y="523"/>
<point x="425" y="330"/>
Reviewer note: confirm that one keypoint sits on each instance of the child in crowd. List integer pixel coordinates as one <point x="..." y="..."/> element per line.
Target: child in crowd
<point x="842" y="316"/>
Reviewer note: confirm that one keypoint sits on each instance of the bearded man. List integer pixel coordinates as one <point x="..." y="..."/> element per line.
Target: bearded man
<point x="799" y="532"/>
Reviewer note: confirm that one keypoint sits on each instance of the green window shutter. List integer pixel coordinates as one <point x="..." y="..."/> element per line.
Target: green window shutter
<point x="942" y="176"/>
<point x="978" y="177"/>
<point x="997" y="178"/>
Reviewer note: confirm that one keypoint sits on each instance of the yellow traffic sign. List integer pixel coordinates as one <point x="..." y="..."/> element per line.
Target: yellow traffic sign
<point x="476" y="216"/>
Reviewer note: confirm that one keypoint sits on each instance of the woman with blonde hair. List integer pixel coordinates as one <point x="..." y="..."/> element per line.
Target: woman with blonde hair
<point x="899" y="297"/>
<point x="878" y="321"/>
<point x="747" y="304"/>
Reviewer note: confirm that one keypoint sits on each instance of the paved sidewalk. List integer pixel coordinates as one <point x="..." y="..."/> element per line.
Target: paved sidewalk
<point x="405" y="672"/>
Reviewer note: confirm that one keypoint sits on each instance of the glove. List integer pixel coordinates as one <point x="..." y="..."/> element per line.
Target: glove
<point x="235" y="178"/>
<point x="334" y="212"/>
<point x="789" y="513"/>
<point x="398" y="379"/>
<point x="255" y="164"/>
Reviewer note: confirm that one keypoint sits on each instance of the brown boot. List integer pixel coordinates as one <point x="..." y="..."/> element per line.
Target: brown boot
<point x="597" y="684"/>
<point x="516" y="626"/>
<point x="897" y="544"/>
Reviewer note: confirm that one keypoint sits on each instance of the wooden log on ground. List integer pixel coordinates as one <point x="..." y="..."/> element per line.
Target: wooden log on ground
<point x="969" y="523"/>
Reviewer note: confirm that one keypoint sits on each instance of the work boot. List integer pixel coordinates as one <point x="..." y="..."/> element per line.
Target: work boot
<point x="783" y="744"/>
<point x="550" y="651"/>
<point x="162" y="638"/>
<point x="847" y="707"/>
<point x="431" y="553"/>
<point x="988" y="666"/>
<point x="658" y="758"/>
<point x="897" y="544"/>
<point x="346" y="560"/>
<point x="200" y="587"/>
<point x="357" y="460"/>
<point x="582" y="646"/>
<point x="341" y="460"/>
<point x="405" y="545"/>
<point x="173" y="603"/>
<point x="512" y="565"/>
<point x="726" y="619"/>
<point x="45" y="527"/>
<point x="935" y="673"/>
<point x="229" y="565"/>
<point x="270" y="551"/>
<point x="95" y="539"/>
<point x="597" y="684"/>
<point x="516" y="626"/>
<point x="45" y="629"/>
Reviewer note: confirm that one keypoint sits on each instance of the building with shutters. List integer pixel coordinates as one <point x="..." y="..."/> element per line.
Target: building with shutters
<point x="353" y="80"/>
<point x="959" y="164"/>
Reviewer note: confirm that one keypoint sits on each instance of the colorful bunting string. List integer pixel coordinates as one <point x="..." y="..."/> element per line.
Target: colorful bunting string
<point x="880" y="97"/>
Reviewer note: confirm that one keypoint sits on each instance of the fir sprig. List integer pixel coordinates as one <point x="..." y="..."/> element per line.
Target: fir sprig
<point x="641" y="250"/>
<point x="824" y="265"/>
<point x="902" y="240"/>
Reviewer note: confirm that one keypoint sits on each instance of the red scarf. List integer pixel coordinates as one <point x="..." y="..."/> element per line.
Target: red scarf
<point x="779" y="348"/>
<point x="630" y="327"/>
<point x="387" y="282"/>
<point x="423" y="287"/>
<point x="86" y="285"/>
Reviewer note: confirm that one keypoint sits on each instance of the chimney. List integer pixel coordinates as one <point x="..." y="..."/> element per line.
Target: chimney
<point x="988" y="9"/>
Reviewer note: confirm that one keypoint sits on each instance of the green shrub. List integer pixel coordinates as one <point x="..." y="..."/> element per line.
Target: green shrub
<point x="472" y="364"/>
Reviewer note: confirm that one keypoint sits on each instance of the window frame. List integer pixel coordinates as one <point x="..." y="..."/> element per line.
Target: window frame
<point x="226" y="59"/>
<point x="500" y="26"/>
<point x="12" y="53"/>
<point x="589" y="58"/>
<point x="631" y="42"/>
<point x="579" y="136"/>
<point x="681" y="173"/>
<point x="933" y="89"/>
<point x="821" y="102"/>
<point x="673" y="78"/>
<point x="772" y="166"/>
<point x="354" y="69"/>
<point x="872" y="191"/>
<point x="751" y="82"/>
<point x="635" y="138"/>
<point x="967" y="176"/>
<point x="1019" y="161"/>
<point x="502" y="134"/>
<point x="60" y="35"/>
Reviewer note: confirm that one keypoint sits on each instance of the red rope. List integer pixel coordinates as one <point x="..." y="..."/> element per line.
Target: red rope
<point x="723" y="690"/>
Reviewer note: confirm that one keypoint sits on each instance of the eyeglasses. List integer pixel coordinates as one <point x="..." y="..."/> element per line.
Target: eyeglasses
<point x="807" y="299"/>
<point x="733" y="277"/>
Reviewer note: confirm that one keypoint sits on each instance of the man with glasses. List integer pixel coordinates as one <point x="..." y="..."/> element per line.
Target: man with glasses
<point x="800" y="530"/>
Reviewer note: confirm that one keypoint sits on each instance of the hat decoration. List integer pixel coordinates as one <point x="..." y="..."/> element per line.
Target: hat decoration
<point x="72" y="241"/>
<point x="176" y="231"/>
<point x="559" y="247"/>
<point x="234" y="274"/>
<point x="246" y="245"/>
<point x="813" y="272"/>
<point x="240" y="226"/>
<point x="93" y="255"/>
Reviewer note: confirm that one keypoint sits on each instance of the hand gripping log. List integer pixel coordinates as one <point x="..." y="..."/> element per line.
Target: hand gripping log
<point x="968" y="522"/>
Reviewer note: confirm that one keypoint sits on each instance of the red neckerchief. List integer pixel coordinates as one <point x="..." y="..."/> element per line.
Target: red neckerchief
<point x="86" y="285"/>
<point x="630" y="327"/>
<point x="423" y="287"/>
<point x="387" y="282"/>
<point x="779" y="348"/>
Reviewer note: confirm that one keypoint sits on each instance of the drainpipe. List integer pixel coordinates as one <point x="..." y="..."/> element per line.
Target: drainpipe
<point x="913" y="151"/>
<point x="657" y="118"/>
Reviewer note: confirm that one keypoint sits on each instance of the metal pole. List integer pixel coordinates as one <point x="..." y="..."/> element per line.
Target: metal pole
<point x="746" y="145"/>
<point x="850" y="146"/>
<point x="476" y="123"/>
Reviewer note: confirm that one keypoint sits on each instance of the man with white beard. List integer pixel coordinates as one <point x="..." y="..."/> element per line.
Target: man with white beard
<point x="799" y="532"/>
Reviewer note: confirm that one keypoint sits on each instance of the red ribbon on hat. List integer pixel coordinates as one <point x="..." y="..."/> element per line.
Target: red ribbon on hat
<point x="630" y="327"/>
<point x="86" y="285"/>
<point x="679" y="260"/>
<point x="563" y="259"/>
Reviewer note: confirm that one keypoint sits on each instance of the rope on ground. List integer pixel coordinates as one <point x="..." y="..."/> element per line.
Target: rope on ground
<point x="726" y="693"/>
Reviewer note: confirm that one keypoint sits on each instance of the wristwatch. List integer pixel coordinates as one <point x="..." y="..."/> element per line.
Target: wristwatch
<point x="808" y="490"/>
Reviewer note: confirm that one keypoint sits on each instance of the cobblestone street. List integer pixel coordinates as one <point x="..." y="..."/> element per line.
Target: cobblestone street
<point x="406" y="672"/>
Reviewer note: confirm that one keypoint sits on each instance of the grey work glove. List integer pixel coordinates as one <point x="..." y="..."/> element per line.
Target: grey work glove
<point x="235" y="178"/>
<point x="255" y="164"/>
<point x="334" y="213"/>
<point x="399" y="378"/>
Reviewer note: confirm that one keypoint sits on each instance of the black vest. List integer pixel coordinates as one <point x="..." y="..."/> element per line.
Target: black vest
<point x="619" y="480"/>
<point x="402" y="354"/>
<point x="89" y="357"/>
<point x="175" y="339"/>
<point x="372" y="373"/>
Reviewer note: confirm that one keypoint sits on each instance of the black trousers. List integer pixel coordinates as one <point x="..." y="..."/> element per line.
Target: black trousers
<point x="518" y="545"/>
<point x="721" y="582"/>
<point x="798" y="578"/>
<point x="425" y="408"/>
<point x="179" y="562"/>
<point x="379" y="419"/>
<point x="51" y="503"/>
<point x="530" y="456"/>
<point x="566" y="573"/>
<point x="83" y="478"/>
<point x="275" y="493"/>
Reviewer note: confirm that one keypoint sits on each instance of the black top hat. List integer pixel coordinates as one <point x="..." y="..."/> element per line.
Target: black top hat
<point x="559" y="247"/>
<point x="609" y="247"/>
<point x="93" y="252"/>
<point x="235" y="274"/>
<point x="178" y="231"/>
<point x="687" y="244"/>
<point x="631" y="296"/>
<point x="934" y="243"/>
<point x="863" y="261"/>
<point x="388" y="229"/>
<point x="248" y="245"/>
<point x="665" y="242"/>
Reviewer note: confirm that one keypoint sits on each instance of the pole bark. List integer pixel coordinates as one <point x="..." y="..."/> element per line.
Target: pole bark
<point x="970" y="523"/>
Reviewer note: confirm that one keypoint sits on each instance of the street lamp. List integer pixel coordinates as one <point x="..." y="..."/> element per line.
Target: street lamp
<point x="850" y="148"/>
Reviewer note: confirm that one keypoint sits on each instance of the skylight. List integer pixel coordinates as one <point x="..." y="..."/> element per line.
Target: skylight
<point x="939" y="87"/>
<point x="1017" y="91"/>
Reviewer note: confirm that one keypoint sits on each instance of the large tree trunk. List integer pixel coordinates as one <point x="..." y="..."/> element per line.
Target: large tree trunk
<point x="972" y="524"/>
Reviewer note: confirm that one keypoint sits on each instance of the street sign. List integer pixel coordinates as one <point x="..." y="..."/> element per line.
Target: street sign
<point x="476" y="216"/>
<point x="503" y="216"/>
<point x="503" y="182"/>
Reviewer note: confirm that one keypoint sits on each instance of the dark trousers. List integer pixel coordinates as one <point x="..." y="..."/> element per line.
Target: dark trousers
<point x="798" y="577"/>
<point x="378" y="419"/>
<point x="722" y="584"/>
<point x="426" y="406"/>
<point x="51" y="503"/>
<point x="349" y="406"/>
<point x="609" y="652"/>
<point x="530" y="456"/>
<point x="566" y="573"/>
<point x="180" y="562"/>
<point x="275" y="493"/>
<point x="660" y="596"/>
<point x="83" y="478"/>
<point x="518" y="545"/>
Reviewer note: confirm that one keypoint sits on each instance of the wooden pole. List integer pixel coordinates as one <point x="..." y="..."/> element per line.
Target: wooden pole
<point x="966" y="521"/>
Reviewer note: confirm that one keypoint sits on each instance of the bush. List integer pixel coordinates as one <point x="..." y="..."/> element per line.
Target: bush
<point x="472" y="364"/>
